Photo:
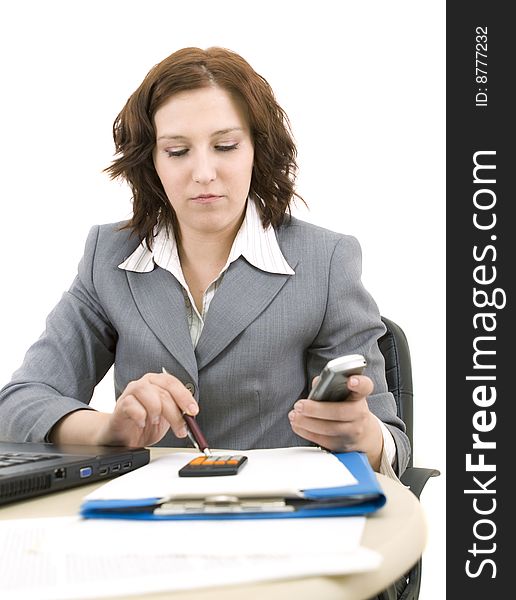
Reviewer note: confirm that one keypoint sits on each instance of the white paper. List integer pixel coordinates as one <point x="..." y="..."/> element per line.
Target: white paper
<point x="269" y="472"/>
<point x="69" y="558"/>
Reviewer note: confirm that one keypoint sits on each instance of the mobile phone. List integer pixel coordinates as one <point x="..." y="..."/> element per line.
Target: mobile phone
<point x="332" y="385"/>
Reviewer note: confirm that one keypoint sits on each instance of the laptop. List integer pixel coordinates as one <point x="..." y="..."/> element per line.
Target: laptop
<point x="28" y="469"/>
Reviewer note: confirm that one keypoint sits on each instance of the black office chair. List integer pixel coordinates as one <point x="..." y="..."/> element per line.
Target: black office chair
<point x="398" y="369"/>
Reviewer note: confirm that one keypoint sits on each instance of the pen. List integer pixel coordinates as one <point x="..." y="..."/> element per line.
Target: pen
<point x="193" y="431"/>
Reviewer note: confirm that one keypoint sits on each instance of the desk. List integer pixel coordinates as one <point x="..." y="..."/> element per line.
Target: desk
<point x="397" y="531"/>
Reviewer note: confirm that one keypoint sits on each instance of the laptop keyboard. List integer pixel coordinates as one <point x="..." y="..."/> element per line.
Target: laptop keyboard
<point x="10" y="459"/>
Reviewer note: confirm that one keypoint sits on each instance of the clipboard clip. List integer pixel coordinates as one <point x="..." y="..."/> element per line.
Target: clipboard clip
<point x="222" y="504"/>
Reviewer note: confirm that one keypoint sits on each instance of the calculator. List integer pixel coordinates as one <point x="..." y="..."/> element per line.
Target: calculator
<point x="209" y="466"/>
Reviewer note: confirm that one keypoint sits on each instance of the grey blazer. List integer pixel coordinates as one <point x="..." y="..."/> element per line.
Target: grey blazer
<point x="265" y="337"/>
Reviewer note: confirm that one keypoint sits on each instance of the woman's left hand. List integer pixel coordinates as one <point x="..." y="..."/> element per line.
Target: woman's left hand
<point x="341" y="426"/>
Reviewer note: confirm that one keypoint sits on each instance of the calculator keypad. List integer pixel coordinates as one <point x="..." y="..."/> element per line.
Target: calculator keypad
<point x="208" y="466"/>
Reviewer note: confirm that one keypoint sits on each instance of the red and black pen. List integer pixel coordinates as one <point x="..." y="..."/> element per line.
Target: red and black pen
<point x="194" y="431"/>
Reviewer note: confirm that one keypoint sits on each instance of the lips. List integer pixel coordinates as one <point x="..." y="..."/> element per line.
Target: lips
<point x="205" y="198"/>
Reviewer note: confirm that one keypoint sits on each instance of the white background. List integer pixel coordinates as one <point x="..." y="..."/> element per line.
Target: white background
<point x="363" y="84"/>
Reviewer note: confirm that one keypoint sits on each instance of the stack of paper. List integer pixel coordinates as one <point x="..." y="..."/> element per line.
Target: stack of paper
<point x="70" y="558"/>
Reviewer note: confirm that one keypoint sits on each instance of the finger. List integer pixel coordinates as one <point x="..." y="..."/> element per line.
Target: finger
<point x="360" y="385"/>
<point x="327" y="427"/>
<point x="346" y="411"/>
<point x="332" y="443"/>
<point x="157" y="403"/>
<point x="129" y="408"/>
<point x="177" y="390"/>
<point x="149" y="396"/>
<point x="319" y="438"/>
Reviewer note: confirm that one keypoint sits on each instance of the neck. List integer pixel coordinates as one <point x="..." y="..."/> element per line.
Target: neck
<point x="205" y="250"/>
<point x="202" y="259"/>
<point x="197" y="248"/>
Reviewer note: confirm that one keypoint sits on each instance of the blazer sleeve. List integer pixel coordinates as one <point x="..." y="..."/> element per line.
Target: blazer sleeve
<point x="60" y="370"/>
<point x="352" y="325"/>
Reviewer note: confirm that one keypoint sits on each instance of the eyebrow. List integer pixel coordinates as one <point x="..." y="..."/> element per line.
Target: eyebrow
<point x="168" y="136"/>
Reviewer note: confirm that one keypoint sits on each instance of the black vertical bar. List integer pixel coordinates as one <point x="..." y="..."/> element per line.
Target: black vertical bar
<point x="481" y="267"/>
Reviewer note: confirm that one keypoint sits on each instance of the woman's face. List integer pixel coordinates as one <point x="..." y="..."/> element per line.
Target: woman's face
<point x="204" y="159"/>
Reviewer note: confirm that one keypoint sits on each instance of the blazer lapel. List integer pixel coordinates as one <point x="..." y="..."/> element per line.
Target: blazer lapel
<point x="244" y="293"/>
<point x="161" y="303"/>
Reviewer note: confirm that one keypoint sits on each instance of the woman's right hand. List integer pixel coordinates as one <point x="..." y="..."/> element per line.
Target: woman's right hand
<point x="143" y="414"/>
<point x="146" y="409"/>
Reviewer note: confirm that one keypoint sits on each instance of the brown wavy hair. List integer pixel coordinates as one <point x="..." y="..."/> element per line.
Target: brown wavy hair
<point x="274" y="168"/>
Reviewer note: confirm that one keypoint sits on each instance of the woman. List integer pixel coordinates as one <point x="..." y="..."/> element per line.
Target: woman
<point x="212" y="280"/>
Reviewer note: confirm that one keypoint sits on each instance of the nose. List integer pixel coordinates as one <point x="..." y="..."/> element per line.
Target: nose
<point x="204" y="170"/>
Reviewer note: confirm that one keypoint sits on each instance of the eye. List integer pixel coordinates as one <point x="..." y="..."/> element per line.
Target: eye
<point x="176" y="153"/>
<point x="224" y="148"/>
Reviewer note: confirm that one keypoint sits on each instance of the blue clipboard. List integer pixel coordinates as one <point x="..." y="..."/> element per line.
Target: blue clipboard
<point x="362" y="498"/>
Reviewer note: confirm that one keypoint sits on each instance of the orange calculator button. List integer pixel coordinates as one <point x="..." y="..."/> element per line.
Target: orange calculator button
<point x="198" y="461"/>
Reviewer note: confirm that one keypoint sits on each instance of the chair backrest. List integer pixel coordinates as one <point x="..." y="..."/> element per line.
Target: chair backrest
<point x="398" y="370"/>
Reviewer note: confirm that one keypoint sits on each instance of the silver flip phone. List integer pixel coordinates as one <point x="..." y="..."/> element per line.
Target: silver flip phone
<point x="332" y="385"/>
